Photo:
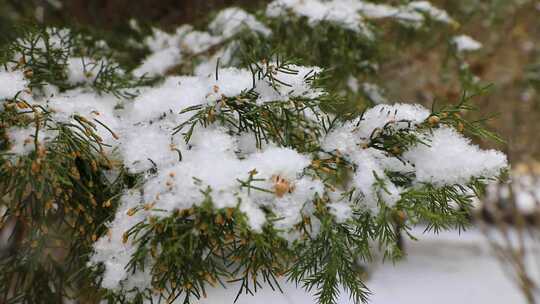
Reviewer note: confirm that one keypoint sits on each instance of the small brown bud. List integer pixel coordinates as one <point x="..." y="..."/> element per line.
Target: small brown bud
<point x="460" y="127"/>
<point x="75" y="173"/>
<point x="36" y="167"/>
<point x="434" y="120"/>
<point x="149" y="206"/>
<point x="22" y="105"/>
<point x="29" y="73"/>
<point x="229" y="212"/>
<point x="281" y="186"/>
<point x="131" y="211"/>
<point x="93" y="165"/>
<point x="219" y="220"/>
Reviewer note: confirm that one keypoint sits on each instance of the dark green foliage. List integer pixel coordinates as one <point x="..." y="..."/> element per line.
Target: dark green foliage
<point x="57" y="198"/>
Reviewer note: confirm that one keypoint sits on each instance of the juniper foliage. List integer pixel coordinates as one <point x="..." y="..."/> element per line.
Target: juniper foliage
<point x="60" y="198"/>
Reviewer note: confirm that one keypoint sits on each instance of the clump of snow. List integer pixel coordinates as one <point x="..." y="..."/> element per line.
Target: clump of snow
<point x="371" y="182"/>
<point x="341" y="210"/>
<point x="428" y="161"/>
<point x="432" y="11"/>
<point x="432" y="161"/>
<point x="89" y="105"/>
<point x="137" y="152"/>
<point x="113" y="250"/>
<point x="340" y="12"/>
<point x="159" y="62"/>
<point x="196" y="42"/>
<point x="465" y="43"/>
<point x="352" y="83"/>
<point x="179" y="92"/>
<point x="374" y="93"/>
<point x="80" y="70"/>
<point x="290" y="84"/>
<point x="22" y="140"/>
<point x="231" y="21"/>
<point x="12" y="83"/>
<point x="160" y="40"/>
<point x="168" y="50"/>
<point x="402" y="115"/>
<point x="352" y="14"/>
<point x="212" y="159"/>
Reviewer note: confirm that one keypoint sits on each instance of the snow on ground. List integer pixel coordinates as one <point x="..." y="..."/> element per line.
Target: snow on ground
<point x="448" y="268"/>
<point x="445" y="269"/>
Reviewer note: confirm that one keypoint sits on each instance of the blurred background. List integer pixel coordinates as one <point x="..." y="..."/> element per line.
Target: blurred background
<point x="498" y="261"/>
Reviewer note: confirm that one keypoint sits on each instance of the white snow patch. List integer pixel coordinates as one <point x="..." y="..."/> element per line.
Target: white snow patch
<point x="449" y="158"/>
<point x="465" y="43"/>
<point x="11" y="83"/>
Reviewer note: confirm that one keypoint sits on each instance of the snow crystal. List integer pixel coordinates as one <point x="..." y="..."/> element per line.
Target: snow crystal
<point x="429" y="162"/>
<point x="284" y="162"/>
<point x="256" y="218"/>
<point x="179" y="92"/>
